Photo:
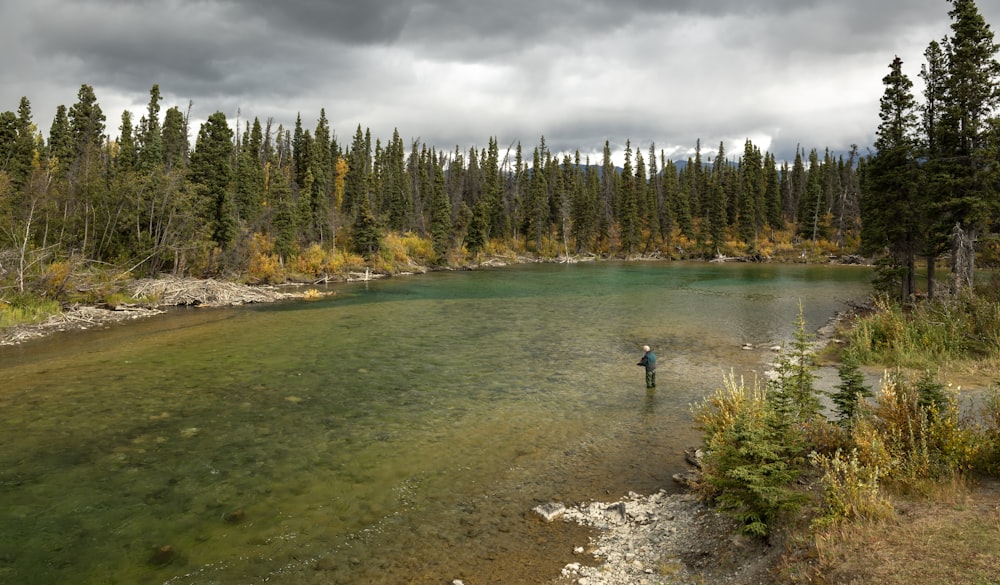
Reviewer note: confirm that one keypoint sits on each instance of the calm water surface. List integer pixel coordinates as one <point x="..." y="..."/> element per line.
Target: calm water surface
<point x="397" y="432"/>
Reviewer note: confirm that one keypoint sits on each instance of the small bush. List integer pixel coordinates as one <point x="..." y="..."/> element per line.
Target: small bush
<point x="419" y="250"/>
<point x="958" y="442"/>
<point x="850" y="489"/>
<point x="265" y="265"/>
<point x="749" y="464"/>
<point x="342" y="262"/>
<point x="930" y="334"/>
<point x="394" y="255"/>
<point x="55" y="278"/>
<point x="116" y="299"/>
<point x="310" y="261"/>
<point x="904" y="427"/>
<point x="990" y="415"/>
<point x="918" y="438"/>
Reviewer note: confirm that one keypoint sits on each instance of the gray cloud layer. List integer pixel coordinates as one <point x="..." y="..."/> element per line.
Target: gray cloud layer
<point x="456" y="72"/>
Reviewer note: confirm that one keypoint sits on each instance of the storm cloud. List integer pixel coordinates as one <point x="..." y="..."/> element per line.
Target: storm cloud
<point x="453" y="73"/>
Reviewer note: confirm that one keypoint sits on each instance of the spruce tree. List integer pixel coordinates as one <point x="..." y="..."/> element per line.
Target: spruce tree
<point x="851" y="391"/>
<point x="683" y="208"/>
<point x="669" y="220"/>
<point x="8" y="139"/>
<point x="793" y="390"/>
<point x="752" y="185"/>
<point x="478" y="236"/>
<point x="321" y="168"/>
<point x="126" y="159"/>
<point x="717" y="217"/>
<point x="61" y="149"/>
<point x="811" y="209"/>
<point x="965" y="128"/>
<point x="212" y="170"/>
<point x="536" y="206"/>
<point x="628" y="219"/>
<point x="772" y="193"/>
<point x="249" y="187"/>
<point x="585" y="215"/>
<point x="889" y="212"/>
<point x="86" y="122"/>
<point x="500" y="223"/>
<point x="23" y="152"/>
<point x="366" y="233"/>
<point x="934" y="224"/>
<point x="356" y="182"/>
<point x="175" y="141"/>
<point x="654" y="201"/>
<point x="796" y="188"/>
<point x="397" y="187"/>
<point x="608" y="195"/>
<point x="150" y="134"/>
<point x="441" y="216"/>
<point x="283" y="228"/>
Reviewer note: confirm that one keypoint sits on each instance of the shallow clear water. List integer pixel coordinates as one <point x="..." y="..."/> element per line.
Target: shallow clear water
<point x="399" y="431"/>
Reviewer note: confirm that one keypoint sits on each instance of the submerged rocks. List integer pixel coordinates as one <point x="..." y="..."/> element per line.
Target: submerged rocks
<point x="162" y="556"/>
<point x="550" y="512"/>
<point x="691" y="479"/>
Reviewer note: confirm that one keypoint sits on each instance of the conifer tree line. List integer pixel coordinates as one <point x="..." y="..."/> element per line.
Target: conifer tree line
<point x="148" y="201"/>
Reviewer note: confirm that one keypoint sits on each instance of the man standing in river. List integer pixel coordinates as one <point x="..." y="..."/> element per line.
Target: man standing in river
<point x="648" y="361"/>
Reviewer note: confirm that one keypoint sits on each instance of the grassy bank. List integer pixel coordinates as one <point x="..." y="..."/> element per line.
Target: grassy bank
<point x="901" y="485"/>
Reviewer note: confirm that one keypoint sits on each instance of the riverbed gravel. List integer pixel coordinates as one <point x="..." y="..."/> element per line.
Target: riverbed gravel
<point x="662" y="539"/>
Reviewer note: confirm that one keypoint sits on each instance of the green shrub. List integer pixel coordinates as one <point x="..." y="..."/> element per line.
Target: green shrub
<point x="851" y="489"/>
<point x="793" y="391"/>
<point x="990" y="415"/>
<point x="916" y="437"/>
<point x="851" y="391"/>
<point x="751" y="457"/>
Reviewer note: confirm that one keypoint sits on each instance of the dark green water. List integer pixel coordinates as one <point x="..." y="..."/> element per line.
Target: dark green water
<point x="397" y="432"/>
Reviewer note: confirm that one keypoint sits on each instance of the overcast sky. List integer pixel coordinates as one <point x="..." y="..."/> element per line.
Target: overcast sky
<point x="456" y="72"/>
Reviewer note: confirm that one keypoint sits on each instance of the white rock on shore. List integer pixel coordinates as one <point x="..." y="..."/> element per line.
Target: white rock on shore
<point x="664" y="538"/>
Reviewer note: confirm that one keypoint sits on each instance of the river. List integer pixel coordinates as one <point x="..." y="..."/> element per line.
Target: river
<point x="397" y="431"/>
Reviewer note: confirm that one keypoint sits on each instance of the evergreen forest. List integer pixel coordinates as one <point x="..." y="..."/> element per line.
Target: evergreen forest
<point x="249" y="200"/>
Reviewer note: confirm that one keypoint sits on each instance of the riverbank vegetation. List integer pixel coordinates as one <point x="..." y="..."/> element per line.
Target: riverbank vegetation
<point x="866" y="466"/>
<point x="895" y="484"/>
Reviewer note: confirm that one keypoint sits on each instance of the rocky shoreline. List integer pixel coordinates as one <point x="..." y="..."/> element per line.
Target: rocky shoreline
<point x="662" y="538"/>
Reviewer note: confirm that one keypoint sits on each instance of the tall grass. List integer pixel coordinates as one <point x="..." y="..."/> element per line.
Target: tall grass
<point x="26" y="310"/>
<point x="927" y="335"/>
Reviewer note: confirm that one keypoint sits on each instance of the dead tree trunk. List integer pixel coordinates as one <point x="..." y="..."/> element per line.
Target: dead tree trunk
<point x="963" y="259"/>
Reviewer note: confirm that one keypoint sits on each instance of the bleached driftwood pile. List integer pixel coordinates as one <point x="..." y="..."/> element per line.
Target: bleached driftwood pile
<point x="172" y="291"/>
<point x="166" y="291"/>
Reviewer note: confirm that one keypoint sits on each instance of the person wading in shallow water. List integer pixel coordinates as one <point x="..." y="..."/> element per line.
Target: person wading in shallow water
<point x="648" y="361"/>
